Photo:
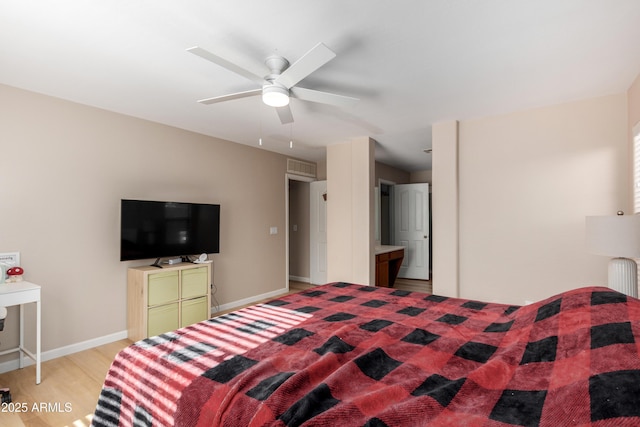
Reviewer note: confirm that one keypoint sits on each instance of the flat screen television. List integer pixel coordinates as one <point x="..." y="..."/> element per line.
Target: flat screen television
<point x="155" y="229"/>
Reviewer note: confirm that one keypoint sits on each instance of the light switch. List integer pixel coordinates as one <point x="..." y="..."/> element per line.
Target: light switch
<point x="295" y="227"/>
<point x="273" y="230"/>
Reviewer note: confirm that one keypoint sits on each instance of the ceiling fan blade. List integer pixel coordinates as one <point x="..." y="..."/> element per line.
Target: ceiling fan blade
<point x="238" y="95"/>
<point x="285" y="114"/>
<point x="310" y="61"/>
<point x="323" y="97"/>
<point x="202" y="53"/>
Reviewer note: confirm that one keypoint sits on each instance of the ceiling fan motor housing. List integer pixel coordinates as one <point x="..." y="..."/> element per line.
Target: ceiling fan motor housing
<point x="276" y="64"/>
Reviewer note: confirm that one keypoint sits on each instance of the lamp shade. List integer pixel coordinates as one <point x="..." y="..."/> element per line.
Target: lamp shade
<point x="275" y="96"/>
<point x="614" y="235"/>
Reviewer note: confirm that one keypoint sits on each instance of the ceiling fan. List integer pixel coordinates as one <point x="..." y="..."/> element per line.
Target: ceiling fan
<point x="279" y="84"/>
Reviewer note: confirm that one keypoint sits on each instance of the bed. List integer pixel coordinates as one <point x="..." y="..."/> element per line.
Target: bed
<point x="344" y="354"/>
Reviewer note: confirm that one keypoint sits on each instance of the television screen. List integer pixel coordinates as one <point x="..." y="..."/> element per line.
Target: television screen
<point x="153" y="229"/>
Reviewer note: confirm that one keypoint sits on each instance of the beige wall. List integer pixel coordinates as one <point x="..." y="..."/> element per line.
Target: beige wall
<point x="633" y="106"/>
<point x="350" y="212"/>
<point x="321" y="170"/>
<point x="445" y="209"/>
<point x="389" y="173"/>
<point x="398" y="176"/>
<point x="421" y="176"/>
<point x="65" y="168"/>
<point x="633" y="100"/>
<point x="527" y="182"/>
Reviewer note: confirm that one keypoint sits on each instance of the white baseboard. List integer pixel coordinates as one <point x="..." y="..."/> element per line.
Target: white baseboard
<point x="250" y="300"/>
<point x="12" y="365"/>
<point x="300" y="279"/>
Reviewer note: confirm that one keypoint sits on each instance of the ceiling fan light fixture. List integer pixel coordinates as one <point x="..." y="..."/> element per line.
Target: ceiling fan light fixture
<point x="275" y="96"/>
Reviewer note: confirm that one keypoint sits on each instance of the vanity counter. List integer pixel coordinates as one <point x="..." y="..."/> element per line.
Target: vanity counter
<point x="383" y="249"/>
<point x="388" y="263"/>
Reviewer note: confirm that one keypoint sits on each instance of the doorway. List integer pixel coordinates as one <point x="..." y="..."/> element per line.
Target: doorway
<point x="411" y="227"/>
<point x="297" y="228"/>
<point x="404" y="219"/>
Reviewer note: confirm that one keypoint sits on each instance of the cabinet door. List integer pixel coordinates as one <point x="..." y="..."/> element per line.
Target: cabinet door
<point x="195" y="282"/>
<point x="382" y="270"/>
<point x="163" y="288"/>
<point x="163" y="318"/>
<point x="194" y="311"/>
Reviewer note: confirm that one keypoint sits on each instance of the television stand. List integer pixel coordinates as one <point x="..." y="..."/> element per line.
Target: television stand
<point x="161" y="301"/>
<point x="157" y="264"/>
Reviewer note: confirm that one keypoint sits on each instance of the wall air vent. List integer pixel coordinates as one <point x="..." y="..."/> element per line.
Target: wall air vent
<point x="298" y="167"/>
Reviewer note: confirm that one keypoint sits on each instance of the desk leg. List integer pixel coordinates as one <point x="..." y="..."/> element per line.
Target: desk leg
<point x="21" y="360"/>
<point x="38" y="336"/>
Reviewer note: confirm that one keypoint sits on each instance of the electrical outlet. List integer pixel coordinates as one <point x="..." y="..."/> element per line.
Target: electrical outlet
<point x="12" y="259"/>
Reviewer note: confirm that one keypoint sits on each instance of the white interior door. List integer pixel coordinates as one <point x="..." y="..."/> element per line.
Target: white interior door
<point x="411" y="228"/>
<point x="318" y="238"/>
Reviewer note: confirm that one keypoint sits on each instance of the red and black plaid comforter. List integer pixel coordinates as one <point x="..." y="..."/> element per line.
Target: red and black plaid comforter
<point x="343" y="354"/>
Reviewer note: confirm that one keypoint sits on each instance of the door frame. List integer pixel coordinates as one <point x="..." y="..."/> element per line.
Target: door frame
<point x="289" y="177"/>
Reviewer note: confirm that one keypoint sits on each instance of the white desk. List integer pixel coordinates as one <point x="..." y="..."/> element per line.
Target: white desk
<point x="21" y="293"/>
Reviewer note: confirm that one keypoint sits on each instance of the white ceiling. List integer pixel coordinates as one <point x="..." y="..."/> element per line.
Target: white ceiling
<point x="411" y="63"/>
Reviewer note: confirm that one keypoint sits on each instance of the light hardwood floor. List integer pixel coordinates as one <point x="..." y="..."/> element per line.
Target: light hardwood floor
<point x="67" y="394"/>
<point x="70" y="386"/>
<point x="402" y="284"/>
<point x="414" y="285"/>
